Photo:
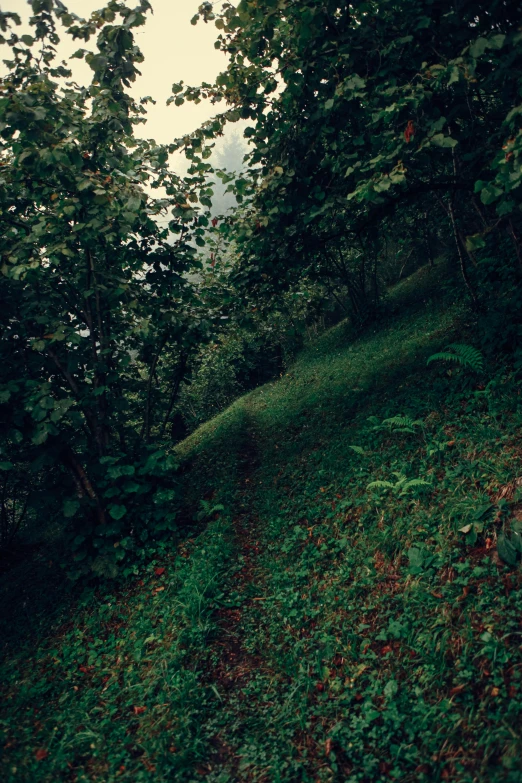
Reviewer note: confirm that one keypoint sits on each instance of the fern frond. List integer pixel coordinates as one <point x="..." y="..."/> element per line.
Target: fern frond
<point x="399" y="421"/>
<point x="465" y="355"/>
<point x="380" y="485"/>
<point x="416" y="483"/>
<point x="357" y="449"/>
<point x="400" y="424"/>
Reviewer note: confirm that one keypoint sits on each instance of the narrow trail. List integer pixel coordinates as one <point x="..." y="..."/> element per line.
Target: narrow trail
<point x="234" y="665"/>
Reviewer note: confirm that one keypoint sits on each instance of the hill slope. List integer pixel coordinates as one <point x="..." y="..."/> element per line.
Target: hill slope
<point x="317" y="628"/>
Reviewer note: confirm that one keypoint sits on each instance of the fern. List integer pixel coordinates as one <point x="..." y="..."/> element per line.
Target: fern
<point x="402" y="486"/>
<point x="414" y="484"/>
<point x="465" y="355"/>
<point x="399" y="424"/>
<point x="380" y="485"/>
<point x="207" y="510"/>
<point x="402" y="423"/>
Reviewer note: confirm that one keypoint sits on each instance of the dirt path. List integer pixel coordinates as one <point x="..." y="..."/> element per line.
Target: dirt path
<point x="234" y="665"/>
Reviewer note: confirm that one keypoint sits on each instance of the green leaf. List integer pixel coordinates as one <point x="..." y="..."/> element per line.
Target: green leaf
<point x="40" y="436"/>
<point x="390" y="689"/>
<point x="516" y="540"/>
<point x="121" y="470"/>
<point x="490" y="193"/>
<point x="514" y="113"/>
<point x="454" y="76"/>
<point x="496" y="41"/>
<point x="506" y="550"/>
<point x="97" y="62"/>
<point x="478" y="47"/>
<point x="133" y="203"/>
<point x="117" y="511"/>
<point x="70" y="507"/>
<point x="416" y="558"/>
<point x="475" y="242"/>
<point x="440" y="140"/>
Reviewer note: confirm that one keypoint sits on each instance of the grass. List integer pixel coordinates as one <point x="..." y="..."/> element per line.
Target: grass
<point x="317" y="628"/>
<point x="117" y="685"/>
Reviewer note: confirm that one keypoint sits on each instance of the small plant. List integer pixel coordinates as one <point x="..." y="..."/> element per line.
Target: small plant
<point x="420" y="560"/>
<point x="509" y="546"/>
<point x="477" y="516"/>
<point x="399" y="424"/>
<point x="465" y="355"/>
<point x="401" y="487"/>
<point x="207" y="510"/>
<point x="437" y="447"/>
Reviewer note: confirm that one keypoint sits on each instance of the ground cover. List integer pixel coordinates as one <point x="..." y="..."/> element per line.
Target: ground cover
<point x="340" y="612"/>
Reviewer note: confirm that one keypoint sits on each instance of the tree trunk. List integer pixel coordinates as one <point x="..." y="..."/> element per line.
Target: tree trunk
<point x="180" y="374"/>
<point x="84" y="486"/>
<point x="464" y="271"/>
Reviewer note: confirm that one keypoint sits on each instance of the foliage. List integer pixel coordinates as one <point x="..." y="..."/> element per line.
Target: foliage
<point x="256" y="345"/>
<point x="167" y="614"/>
<point x="404" y="424"/>
<point x="300" y="615"/>
<point x="465" y="355"/>
<point x="313" y="631"/>
<point x="402" y="486"/>
<point x="510" y="546"/>
<point x="381" y="133"/>
<point x="99" y="309"/>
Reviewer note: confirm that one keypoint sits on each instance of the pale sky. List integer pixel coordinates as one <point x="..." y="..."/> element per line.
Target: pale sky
<point x="173" y="49"/>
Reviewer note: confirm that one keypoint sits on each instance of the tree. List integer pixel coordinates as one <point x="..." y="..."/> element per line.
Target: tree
<point x="99" y="303"/>
<point x="362" y="115"/>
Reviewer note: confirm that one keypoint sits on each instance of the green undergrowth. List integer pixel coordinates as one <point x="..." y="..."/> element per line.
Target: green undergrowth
<point x="116" y="690"/>
<point x="372" y="631"/>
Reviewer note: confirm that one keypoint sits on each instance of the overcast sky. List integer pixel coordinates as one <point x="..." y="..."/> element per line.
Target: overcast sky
<point x="173" y="49"/>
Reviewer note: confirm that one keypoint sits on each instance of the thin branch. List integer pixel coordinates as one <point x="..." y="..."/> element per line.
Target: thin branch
<point x="463" y="269"/>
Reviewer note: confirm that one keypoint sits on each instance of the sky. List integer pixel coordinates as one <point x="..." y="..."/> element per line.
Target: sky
<point x="174" y="50"/>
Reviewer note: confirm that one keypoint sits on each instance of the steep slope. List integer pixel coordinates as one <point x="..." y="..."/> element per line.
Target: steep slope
<point x="343" y="615"/>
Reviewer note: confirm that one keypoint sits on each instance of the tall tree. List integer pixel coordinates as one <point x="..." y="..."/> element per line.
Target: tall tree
<point x="98" y="299"/>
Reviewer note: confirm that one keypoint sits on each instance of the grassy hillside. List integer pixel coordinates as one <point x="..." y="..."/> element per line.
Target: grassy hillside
<point x="311" y="627"/>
